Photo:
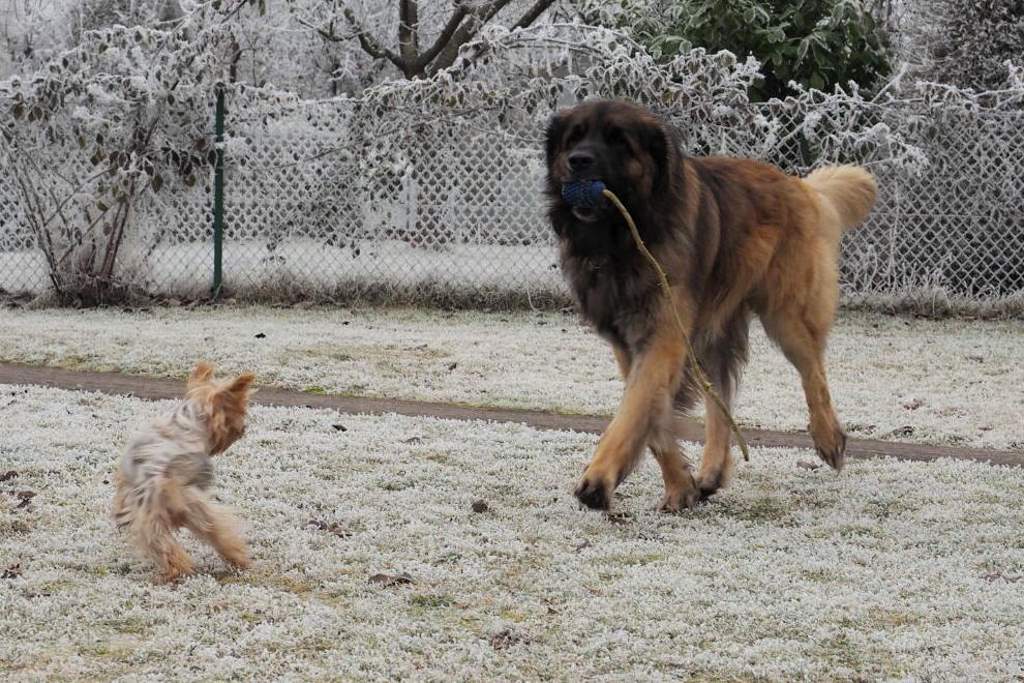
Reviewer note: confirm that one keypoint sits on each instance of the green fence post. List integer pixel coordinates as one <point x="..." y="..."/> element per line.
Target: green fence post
<point x="218" y="195"/>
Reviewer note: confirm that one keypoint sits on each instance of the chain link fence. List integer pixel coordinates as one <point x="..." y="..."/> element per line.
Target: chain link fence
<point x="431" y="191"/>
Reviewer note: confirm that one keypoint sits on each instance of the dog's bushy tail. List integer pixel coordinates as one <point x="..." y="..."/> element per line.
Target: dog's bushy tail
<point x="851" y="191"/>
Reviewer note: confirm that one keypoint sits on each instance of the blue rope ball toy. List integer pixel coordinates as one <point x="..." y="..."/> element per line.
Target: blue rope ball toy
<point x="585" y="194"/>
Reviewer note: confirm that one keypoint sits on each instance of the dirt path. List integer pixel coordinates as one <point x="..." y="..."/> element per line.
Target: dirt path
<point x="150" y="388"/>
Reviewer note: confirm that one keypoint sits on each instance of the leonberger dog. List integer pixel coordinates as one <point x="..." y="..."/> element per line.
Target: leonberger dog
<point x="736" y="237"/>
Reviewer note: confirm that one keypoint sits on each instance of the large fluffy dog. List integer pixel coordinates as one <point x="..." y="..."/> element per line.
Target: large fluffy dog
<point x="736" y="237"/>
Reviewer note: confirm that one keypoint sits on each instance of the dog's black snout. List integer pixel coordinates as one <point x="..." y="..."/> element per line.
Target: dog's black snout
<point x="580" y="161"/>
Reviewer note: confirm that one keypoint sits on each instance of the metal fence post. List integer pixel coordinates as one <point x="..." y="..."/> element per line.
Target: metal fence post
<point x="218" y="195"/>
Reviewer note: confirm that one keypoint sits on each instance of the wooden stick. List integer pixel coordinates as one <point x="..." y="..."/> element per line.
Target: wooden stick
<point x="698" y="371"/>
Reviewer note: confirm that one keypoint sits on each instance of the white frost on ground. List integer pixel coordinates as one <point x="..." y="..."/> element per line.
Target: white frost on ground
<point x="946" y="382"/>
<point x="889" y="570"/>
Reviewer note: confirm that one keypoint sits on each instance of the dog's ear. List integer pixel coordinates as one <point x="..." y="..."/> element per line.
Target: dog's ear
<point x="225" y="411"/>
<point x="241" y="386"/>
<point x="553" y="136"/>
<point x="201" y="374"/>
<point x="661" y="143"/>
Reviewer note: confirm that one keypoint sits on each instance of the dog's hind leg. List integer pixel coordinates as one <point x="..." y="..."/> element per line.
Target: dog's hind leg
<point x="122" y="511"/>
<point x="624" y="360"/>
<point x="802" y="336"/>
<point x="153" y="529"/>
<point x="723" y="360"/>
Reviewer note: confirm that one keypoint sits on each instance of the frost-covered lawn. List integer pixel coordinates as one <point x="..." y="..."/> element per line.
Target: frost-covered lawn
<point x="890" y="570"/>
<point x="309" y="266"/>
<point x="951" y="382"/>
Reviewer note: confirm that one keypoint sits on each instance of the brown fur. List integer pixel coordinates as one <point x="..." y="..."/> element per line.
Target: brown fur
<point x="737" y="237"/>
<point x="224" y="404"/>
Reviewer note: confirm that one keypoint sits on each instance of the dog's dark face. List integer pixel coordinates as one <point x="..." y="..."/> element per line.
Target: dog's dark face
<point x="621" y="144"/>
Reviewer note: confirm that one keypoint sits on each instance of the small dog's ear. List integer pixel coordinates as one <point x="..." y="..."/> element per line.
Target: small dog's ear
<point x="226" y="412"/>
<point x="201" y="373"/>
<point x="242" y="385"/>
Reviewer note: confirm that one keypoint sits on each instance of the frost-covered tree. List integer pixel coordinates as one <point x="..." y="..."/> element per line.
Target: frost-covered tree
<point x="34" y="31"/>
<point x="31" y="31"/>
<point x="418" y="39"/>
<point x="99" y="127"/>
<point x="89" y="15"/>
<point x="973" y="41"/>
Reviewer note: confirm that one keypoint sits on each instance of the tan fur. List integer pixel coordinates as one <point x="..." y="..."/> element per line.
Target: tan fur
<point x="645" y="417"/>
<point x="164" y="473"/>
<point x="226" y="414"/>
<point x="716" y="464"/>
<point x="788" y="268"/>
<point x="680" y="487"/>
<point x="850" y="190"/>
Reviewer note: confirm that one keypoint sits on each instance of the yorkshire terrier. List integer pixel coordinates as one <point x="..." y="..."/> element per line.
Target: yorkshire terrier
<point x="166" y="471"/>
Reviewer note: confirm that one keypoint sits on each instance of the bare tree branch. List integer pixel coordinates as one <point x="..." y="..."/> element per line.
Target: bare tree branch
<point x="469" y="28"/>
<point x="483" y="15"/>
<point x="367" y="42"/>
<point x="533" y="14"/>
<point x="445" y="36"/>
<point x="462" y="26"/>
<point x="408" y="33"/>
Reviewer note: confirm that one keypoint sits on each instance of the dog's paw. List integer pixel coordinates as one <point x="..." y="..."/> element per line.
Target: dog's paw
<point x="240" y="562"/>
<point x="677" y="501"/>
<point x="175" y="574"/>
<point x="174" y="565"/>
<point x="681" y="493"/>
<point x="708" y="485"/>
<point x="594" y="492"/>
<point x="236" y="554"/>
<point x="830" y="443"/>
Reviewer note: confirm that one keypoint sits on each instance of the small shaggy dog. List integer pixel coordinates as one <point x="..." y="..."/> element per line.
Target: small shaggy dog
<point x="166" y="470"/>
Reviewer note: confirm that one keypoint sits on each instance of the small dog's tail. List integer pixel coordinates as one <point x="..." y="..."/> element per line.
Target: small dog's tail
<point x="851" y="190"/>
<point x="122" y="512"/>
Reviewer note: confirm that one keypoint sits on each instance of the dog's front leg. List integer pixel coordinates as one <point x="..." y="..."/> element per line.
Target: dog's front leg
<point x="644" y="417"/>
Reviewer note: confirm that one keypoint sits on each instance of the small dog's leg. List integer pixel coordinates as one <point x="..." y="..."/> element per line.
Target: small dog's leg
<point x="175" y="562"/>
<point x="228" y="542"/>
<point x="153" y="525"/>
<point x="155" y="537"/>
<point x="218" y="527"/>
